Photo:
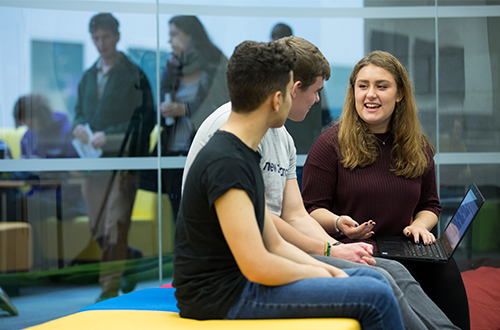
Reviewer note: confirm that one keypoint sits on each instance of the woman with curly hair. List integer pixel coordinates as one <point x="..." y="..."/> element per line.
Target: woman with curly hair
<point x="372" y="174"/>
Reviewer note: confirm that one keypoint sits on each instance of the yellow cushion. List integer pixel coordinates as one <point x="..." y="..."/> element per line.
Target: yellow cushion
<point x="152" y="320"/>
<point x="13" y="136"/>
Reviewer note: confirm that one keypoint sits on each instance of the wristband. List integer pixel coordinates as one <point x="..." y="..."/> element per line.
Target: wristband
<point x="336" y="221"/>
<point x="328" y="247"/>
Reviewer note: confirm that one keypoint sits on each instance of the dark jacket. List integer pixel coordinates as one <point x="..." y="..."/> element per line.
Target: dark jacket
<point x="127" y="102"/>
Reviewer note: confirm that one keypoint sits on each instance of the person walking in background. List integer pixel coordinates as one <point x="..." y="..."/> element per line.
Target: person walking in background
<point x="115" y="102"/>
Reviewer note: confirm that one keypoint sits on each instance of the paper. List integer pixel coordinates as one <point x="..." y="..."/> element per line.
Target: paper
<point x="86" y="150"/>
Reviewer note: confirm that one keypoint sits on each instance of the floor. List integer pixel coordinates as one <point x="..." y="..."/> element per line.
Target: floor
<point x="37" y="305"/>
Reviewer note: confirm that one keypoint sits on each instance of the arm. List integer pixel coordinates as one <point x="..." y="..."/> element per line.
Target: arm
<point x="428" y="208"/>
<point x="319" y="189"/>
<point x="300" y="229"/>
<point x="266" y="259"/>
<point x="345" y="224"/>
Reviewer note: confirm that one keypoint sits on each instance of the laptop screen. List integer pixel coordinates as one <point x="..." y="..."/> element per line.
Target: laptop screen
<point x="462" y="218"/>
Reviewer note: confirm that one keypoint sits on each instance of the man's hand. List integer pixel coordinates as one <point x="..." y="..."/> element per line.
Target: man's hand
<point x="357" y="252"/>
<point x="353" y="230"/>
<point x="80" y="133"/>
<point x="98" y="140"/>
<point x="172" y="109"/>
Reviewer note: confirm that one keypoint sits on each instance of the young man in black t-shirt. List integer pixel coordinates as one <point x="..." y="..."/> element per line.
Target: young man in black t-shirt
<point x="229" y="260"/>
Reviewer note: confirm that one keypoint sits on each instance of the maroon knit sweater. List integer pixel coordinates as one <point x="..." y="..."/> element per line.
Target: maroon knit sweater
<point x="373" y="192"/>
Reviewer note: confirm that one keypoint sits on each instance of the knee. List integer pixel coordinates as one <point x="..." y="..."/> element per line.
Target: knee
<point x="377" y="274"/>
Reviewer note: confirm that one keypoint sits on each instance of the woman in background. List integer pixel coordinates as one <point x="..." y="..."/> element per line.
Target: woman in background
<point x="372" y="174"/>
<point x="193" y="85"/>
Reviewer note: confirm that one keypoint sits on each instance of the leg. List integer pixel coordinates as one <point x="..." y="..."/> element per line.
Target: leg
<point x="417" y="310"/>
<point x="111" y="232"/>
<point x="443" y="284"/>
<point x="365" y="296"/>
<point x="116" y="228"/>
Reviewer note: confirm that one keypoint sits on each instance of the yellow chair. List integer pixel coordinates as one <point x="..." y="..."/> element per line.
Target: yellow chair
<point x="12" y="136"/>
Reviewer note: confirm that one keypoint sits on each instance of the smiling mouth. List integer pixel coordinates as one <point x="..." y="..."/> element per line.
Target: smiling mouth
<point x="371" y="106"/>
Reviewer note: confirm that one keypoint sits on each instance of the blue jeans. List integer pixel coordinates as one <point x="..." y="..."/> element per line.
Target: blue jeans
<point x="365" y="296"/>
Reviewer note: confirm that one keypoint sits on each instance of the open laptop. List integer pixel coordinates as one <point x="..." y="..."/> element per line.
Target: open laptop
<point x="405" y="248"/>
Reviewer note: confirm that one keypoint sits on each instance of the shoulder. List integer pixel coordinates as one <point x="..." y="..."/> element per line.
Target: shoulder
<point x="274" y="139"/>
<point x="212" y="123"/>
<point x="225" y="153"/>
<point x="125" y="64"/>
<point x="90" y="72"/>
<point x="329" y="136"/>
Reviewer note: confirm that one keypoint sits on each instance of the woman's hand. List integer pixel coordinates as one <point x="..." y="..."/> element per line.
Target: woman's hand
<point x="420" y="234"/>
<point x="353" y="230"/>
<point x="172" y="109"/>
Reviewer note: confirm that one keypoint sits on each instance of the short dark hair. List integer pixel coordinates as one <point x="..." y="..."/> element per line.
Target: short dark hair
<point x="281" y="30"/>
<point x="35" y="106"/>
<point x="255" y="71"/>
<point x="104" y="21"/>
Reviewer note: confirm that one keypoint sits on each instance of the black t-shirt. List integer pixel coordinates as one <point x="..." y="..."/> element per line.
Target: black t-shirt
<point x="206" y="275"/>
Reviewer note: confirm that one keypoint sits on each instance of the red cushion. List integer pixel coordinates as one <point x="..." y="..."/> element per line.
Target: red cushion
<point x="168" y="285"/>
<point x="483" y="292"/>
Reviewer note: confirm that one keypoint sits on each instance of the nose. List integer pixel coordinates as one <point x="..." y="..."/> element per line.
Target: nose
<point x="317" y="97"/>
<point x="98" y="43"/>
<point x="372" y="92"/>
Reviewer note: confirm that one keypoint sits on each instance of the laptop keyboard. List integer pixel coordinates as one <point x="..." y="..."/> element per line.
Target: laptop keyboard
<point x="420" y="250"/>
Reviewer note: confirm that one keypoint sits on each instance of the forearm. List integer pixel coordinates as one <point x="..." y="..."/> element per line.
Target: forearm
<point x="295" y="237"/>
<point x="293" y="253"/>
<point x="325" y="218"/>
<point x="310" y="227"/>
<point x="425" y="219"/>
<point x="275" y="269"/>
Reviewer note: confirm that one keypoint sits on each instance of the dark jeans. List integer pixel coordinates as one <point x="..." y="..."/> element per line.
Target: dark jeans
<point x="365" y="296"/>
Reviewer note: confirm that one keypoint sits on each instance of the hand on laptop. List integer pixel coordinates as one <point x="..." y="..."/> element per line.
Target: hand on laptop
<point x="420" y="234"/>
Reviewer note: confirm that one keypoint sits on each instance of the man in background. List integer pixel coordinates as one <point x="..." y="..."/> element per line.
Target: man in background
<point x="115" y="113"/>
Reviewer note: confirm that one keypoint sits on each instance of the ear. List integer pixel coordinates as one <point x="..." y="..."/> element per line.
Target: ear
<point x="400" y="96"/>
<point x="117" y="38"/>
<point x="276" y="100"/>
<point x="295" y="88"/>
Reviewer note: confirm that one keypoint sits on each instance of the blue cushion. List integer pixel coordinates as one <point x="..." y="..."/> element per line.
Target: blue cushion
<point x="160" y="299"/>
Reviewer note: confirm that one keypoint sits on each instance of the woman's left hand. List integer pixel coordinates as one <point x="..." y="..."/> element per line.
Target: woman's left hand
<point x="172" y="109"/>
<point x="420" y="234"/>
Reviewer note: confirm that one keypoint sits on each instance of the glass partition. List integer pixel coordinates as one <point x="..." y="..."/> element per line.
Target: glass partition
<point x="87" y="212"/>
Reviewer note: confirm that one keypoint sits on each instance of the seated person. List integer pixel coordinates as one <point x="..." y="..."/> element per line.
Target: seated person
<point x="229" y="260"/>
<point x="372" y="174"/>
<point x="48" y="136"/>
<point x="284" y="200"/>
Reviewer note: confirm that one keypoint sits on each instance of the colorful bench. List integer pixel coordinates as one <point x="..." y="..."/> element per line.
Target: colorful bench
<point x="152" y="309"/>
